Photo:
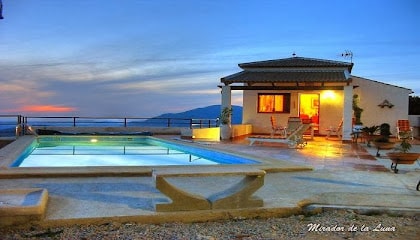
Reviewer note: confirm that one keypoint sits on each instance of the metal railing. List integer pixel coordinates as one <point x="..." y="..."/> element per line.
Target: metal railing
<point x="11" y="125"/>
<point x="120" y="122"/>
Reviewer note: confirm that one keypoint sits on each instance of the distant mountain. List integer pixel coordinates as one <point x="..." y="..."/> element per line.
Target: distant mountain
<point x="209" y="112"/>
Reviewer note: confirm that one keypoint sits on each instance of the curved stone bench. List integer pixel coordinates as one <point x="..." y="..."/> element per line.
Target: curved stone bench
<point x="237" y="196"/>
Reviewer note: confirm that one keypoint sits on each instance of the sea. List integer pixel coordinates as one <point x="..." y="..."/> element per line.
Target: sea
<point x="8" y="124"/>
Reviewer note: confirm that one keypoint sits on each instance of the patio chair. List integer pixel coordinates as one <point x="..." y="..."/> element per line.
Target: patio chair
<point x="294" y="139"/>
<point x="275" y="127"/>
<point x="335" y="130"/>
<point x="403" y="128"/>
<point x="293" y="123"/>
<point x="293" y="134"/>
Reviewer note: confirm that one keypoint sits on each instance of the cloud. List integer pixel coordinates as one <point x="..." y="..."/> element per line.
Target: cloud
<point x="148" y="59"/>
<point x="47" y="108"/>
<point x="17" y="93"/>
<point x="31" y="109"/>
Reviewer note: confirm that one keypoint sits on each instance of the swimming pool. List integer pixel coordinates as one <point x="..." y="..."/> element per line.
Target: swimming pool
<point x="78" y="151"/>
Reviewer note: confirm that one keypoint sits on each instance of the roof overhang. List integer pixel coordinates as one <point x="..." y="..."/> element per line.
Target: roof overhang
<point x="287" y="88"/>
<point x="288" y="76"/>
<point x="266" y="88"/>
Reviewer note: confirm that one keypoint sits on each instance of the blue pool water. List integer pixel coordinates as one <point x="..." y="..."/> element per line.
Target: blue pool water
<point x="73" y="151"/>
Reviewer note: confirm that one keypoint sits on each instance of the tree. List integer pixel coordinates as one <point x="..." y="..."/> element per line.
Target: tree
<point x="357" y="110"/>
<point x="414" y="105"/>
<point x="1" y="10"/>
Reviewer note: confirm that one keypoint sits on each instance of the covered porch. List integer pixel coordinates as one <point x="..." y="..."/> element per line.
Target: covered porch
<point x="317" y="91"/>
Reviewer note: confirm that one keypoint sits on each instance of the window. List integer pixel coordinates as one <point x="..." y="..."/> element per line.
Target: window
<point x="274" y="103"/>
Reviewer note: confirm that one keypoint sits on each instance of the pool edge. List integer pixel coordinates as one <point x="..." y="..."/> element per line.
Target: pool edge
<point x="9" y="153"/>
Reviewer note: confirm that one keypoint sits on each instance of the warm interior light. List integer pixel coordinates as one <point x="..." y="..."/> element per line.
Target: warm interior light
<point x="309" y="107"/>
<point x="329" y="95"/>
<point x="93" y="140"/>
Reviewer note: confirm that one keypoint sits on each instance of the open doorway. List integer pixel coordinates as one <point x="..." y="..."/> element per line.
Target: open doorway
<point x="309" y="108"/>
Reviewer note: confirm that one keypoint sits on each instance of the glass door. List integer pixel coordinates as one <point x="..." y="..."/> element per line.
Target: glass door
<point x="309" y="109"/>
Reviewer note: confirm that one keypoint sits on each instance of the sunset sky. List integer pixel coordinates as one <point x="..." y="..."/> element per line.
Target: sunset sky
<point x="141" y="58"/>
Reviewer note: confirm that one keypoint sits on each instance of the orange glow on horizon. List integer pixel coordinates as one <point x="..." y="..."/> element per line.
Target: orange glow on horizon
<point x="46" y="108"/>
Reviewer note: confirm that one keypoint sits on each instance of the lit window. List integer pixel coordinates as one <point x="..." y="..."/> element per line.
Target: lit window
<point x="274" y="103"/>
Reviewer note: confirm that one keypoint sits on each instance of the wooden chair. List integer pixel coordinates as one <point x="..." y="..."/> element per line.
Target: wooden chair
<point x="335" y="130"/>
<point x="403" y="128"/>
<point x="275" y="127"/>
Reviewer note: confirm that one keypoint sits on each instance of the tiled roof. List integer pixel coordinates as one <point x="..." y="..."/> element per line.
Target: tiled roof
<point x="297" y="62"/>
<point x="285" y="76"/>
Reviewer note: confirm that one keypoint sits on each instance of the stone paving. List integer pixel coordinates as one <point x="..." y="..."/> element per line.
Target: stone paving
<point x="344" y="176"/>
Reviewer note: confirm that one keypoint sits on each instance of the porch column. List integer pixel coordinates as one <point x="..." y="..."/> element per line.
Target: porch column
<point x="226" y="97"/>
<point x="347" y="113"/>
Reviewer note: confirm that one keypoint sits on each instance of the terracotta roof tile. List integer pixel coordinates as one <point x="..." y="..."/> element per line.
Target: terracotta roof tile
<point x="297" y="62"/>
<point x="285" y="76"/>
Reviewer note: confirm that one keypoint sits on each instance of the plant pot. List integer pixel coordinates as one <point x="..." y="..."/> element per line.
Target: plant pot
<point x="384" y="145"/>
<point x="403" y="158"/>
<point x="225" y="132"/>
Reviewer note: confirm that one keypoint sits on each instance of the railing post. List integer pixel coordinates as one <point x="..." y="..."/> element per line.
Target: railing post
<point x="169" y="122"/>
<point x="21" y="125"/>
<point x="17" y="127"/>
<point x="125" y="122"/>
<point x="74" y="121"/>
<point x="25" y="122"/>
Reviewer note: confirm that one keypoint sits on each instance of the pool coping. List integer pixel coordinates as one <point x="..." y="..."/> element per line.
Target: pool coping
<point x="12" y="151"/>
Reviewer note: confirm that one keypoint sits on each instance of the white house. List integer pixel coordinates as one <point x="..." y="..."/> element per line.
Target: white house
<point x="320" y="91"/>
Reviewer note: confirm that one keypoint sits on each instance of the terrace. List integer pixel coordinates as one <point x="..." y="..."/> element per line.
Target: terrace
<point x="342" y="176"/>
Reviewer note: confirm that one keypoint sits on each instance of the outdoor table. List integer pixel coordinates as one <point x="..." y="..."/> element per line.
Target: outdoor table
<point x="356" y="134"/>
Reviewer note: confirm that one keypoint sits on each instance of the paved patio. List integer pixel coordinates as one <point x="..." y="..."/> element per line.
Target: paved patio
<point x="343" y="176"/>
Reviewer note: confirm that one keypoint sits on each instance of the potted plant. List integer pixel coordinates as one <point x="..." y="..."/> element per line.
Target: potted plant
<point x="402" y="154"/>
<point x="369" y="133"/>
<point x="225" y="123"/>
<point x="357" y="111"/>
<point x="383" y="142"/>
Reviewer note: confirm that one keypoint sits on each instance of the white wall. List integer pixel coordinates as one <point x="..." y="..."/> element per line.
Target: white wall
<point x="261" y="121"/>
<point x="241" y="130"/>
<point x="372" y="93"/>
<point x="415" y="122"/>
<point x="331" y="111"/>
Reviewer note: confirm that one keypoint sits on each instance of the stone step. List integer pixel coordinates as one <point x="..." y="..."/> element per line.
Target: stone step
<point x="22" y="205"/>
